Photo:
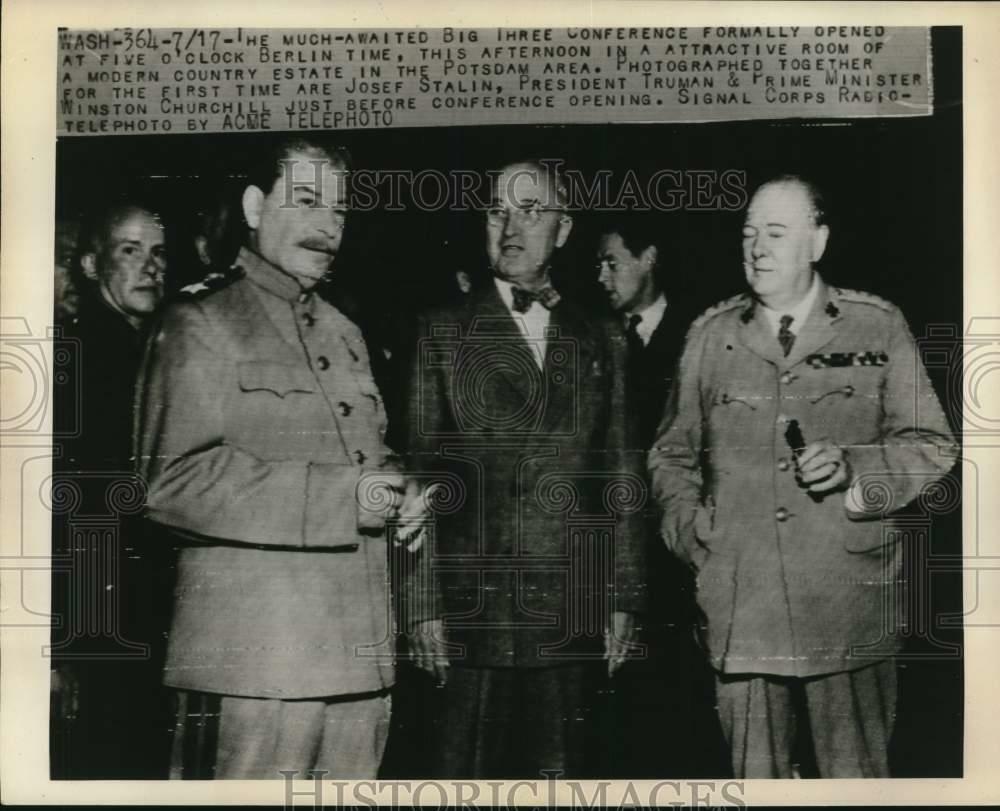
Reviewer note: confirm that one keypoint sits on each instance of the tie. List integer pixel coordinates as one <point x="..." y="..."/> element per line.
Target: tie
<point x="632" y="334"/>
<point x="548" y="297"/>
<point x="785" y="336"/>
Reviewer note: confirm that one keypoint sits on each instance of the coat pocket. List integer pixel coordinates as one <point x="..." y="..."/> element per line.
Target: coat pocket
<point x="278" y="378"/>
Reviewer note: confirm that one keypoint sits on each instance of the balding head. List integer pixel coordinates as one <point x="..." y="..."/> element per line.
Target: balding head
<point x="784" y="234"/>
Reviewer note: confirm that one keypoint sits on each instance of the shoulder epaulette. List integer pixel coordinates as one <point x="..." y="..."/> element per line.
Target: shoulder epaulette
<point x="212" y="282"/>
<point x="739" y="300"/>
<point x="861" y="297"/>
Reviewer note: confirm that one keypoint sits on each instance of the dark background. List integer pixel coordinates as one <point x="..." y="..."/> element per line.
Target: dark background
<point x="894" y="195"/>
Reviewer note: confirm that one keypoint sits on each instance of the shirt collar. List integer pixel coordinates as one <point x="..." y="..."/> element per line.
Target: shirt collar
<point x="799" y="313"/>
<point x="271" y="278"/>
<point x="651" y="317"/>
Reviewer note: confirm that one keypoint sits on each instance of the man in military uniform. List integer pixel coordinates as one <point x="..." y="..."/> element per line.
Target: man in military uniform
<point x="260" y="423"/>
<point x="801" y="418"/>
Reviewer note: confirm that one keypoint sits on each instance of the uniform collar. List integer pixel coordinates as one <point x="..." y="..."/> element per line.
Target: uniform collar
<point x="799" y="313"/>
<point x="270" y="277"/>
<point x="816" y="329"/>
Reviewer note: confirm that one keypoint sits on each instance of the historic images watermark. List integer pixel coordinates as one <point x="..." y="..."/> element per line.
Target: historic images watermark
<point x="547" y="792"/>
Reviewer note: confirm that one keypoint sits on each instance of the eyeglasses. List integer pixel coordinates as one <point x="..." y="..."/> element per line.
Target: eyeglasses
<point x="528" y="216"/>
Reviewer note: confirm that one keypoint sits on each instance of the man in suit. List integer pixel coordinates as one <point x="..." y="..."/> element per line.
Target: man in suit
<point x="525" y="587"/>
<point x="670" y="688"/>
<point x="261" y="438"/>
<point x="119" y="728"/>
<point x="800" y="420"/>
<point x="629" y="269"/>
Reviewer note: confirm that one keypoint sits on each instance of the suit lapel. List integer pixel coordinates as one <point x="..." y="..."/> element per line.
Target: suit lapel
<point x="568" y="354"/>
<point x="490" y="318"/>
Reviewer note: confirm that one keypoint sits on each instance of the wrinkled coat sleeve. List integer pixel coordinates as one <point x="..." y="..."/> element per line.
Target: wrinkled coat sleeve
<point x="624" y="458"/>
<point x="420" y="599"/>
<point x="915" y="445"/>
<point x="198" y="480"/>
<point x="676" y="456"/>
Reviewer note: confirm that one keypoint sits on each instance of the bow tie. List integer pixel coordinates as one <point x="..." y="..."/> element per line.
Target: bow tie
<point x="548" y="297"/>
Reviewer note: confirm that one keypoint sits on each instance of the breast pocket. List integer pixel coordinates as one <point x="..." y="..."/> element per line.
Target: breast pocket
<point x="847" y="403"/>
<point x="277" y="378"/>
<point x="734" y="417"/>
<point x="279" y="413"/>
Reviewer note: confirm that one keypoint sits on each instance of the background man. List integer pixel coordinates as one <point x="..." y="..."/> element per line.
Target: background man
<point x="260" y="419"/>
<point x="528" y="414"/>
<point x="109" y="711"/>
<point x="665" y="698"/>
<point x="800" y="419"/>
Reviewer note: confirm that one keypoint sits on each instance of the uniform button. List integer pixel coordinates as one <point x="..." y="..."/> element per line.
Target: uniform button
<point x="783" y="464"/>
<point x="308" y="318"/>
<point x="345" y="408"/>
<point x="787" y="378"/>
<point x="360" y="456"/>
<point x="781" y="514"/>
<point x="848" y="390"/>
<point x="324" y="362"/>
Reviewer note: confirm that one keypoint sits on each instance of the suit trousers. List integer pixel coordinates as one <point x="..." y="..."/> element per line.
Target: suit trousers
<point x="509" y="722"/>
<point x="236" y="738"/>
<point x="850" y="716"/>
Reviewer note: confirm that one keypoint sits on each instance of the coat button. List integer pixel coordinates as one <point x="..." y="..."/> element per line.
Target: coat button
<point x="781" y="514"/>
<point x="783" y="464"/>
<point x="308" y="318"/>
<point x="787" y="378"/>
<point x="360" y="456"/>
<point x="848" y="390"/>
<point x="323" y="362"/>
<point x="345" y="408"/>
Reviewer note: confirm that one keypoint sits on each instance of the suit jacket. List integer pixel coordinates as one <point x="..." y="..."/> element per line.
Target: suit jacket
<point x="541" y="534"/>
<point x="651" y="373"/>
<point x="791" y="585"/>
<point x="259" y="421"/>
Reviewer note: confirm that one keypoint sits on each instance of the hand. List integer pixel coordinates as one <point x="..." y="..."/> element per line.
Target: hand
<point x="64" y="693"/>
<point x="381" y="496"/>
<point x="823" y="467"/>
<point x="619" y="640"/>
<point x="414" y="515"/>
<point x="427" y="648"/>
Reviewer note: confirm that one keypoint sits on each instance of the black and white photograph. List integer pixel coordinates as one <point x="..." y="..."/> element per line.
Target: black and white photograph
<point x="532" y="404"/>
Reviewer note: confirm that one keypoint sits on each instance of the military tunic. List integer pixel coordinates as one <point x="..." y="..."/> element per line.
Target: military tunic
<point x="791" y="584"/>
<point x="259" y="419"/>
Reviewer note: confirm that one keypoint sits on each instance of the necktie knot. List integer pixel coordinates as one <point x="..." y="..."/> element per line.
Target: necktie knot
<point x="785" y="336"/>
<point x="548" y="297"/>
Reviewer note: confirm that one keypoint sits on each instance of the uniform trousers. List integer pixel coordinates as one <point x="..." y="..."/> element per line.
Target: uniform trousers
<point x="236" y="738"/>
<point x="509" y="722"/>
<point x="850" y="715"/>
